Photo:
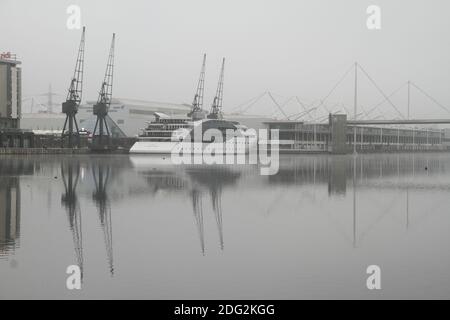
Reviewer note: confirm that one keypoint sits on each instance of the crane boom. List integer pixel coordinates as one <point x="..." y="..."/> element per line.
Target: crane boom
<point x="74" y="95"/>
<point x="216" y="108"/>
<point x="105" y="94"/>
<point x="76" y="85"/>
<point x="197" y="105"/>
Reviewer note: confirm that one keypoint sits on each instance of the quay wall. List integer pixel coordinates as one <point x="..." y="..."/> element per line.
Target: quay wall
<point x="29" y="151"/>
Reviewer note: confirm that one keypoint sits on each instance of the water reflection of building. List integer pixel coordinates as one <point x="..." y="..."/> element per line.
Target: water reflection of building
<point x="10" y="201"/>
<point x="9" y="213"/>
<point x="354" y="178"/>
<point x="337" y="179"/>
<point x="337" y="171"/>
<point x="312" y="170"/>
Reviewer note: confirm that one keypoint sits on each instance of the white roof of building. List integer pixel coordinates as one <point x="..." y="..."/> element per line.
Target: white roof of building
<point x="10" y="61"/>
<point x="43" y="115"/>
<point x="151" y="105"/>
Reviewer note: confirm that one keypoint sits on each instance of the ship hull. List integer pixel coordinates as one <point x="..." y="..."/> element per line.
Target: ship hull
<point x="151" y="147"/>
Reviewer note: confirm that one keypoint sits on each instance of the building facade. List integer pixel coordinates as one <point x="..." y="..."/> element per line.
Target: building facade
<point x="10" y="91"/>
<point x="338" y="137"/>
<point x="11" y="136"/>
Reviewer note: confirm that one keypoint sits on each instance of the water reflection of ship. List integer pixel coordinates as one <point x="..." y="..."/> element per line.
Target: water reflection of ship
<point x="196" y="181"/>
<point x="10" y="202"/>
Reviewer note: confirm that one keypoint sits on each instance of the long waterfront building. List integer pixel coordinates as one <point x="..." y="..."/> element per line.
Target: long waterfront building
<point x="338" y="137"/>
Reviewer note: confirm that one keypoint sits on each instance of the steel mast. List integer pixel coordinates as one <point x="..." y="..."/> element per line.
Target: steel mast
<point x="101" y="108"/>
<point x="216" y="108"/>
<point x="197" y="112"/>
<point x="73" y="100"/>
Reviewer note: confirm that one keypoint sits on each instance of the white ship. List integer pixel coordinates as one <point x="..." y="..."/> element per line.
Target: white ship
<point x="189" y="134"/>
<point x="167" y="134"/>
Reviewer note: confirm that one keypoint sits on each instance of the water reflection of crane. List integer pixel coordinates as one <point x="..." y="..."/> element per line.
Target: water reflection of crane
<point x="197" y="181"/>
<point x="101" y="176"/>
<point x="198" y="216"/>
<point x="70" y="174"/>
<point x="214" y="180"/>
<point x="216" y="197"/>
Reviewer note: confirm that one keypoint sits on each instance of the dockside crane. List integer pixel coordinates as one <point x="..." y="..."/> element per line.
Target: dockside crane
<point x="197" y="112"/>
<point x="73" y="100"/>
<point x="216" y="108"/>
<point x="101" y="132"/>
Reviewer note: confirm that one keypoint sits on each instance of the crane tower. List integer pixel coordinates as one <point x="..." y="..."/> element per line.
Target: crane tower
<point x="101" y="132"/>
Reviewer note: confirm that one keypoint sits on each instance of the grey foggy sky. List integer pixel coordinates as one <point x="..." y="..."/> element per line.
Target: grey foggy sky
<point x="290" y="47"/>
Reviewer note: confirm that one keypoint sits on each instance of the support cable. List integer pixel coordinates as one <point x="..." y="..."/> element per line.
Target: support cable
<point x="252" y="102"/>
<point x="381" y="91"/>
<point x="430" y="97"/>
<point x="322" y="101"/>
<point x="277" y="104"/>
<point x="384" y="100"/>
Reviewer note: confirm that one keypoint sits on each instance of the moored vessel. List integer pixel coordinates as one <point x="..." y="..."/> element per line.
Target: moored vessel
<point x="198" y="132"/>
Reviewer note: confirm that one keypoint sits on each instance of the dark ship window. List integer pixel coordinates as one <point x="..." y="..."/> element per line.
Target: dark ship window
<point x="220" y="125"/>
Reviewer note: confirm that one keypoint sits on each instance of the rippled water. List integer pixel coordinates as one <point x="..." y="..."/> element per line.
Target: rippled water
<point x="142" y="228"/>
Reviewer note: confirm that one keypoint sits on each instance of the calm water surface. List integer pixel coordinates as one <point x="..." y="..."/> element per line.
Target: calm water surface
<point x="142" y="228"/>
